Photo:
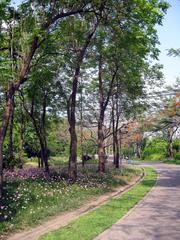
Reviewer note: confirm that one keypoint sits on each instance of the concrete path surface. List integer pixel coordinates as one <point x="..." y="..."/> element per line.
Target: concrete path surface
<point x="157" y="216"/>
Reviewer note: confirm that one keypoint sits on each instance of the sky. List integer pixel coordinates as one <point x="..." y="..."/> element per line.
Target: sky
<point x="169" y="37"/>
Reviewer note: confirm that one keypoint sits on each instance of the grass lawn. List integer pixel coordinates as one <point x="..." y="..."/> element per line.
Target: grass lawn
<point x="92" y="224"/>
<point x="53" y="161"/>
<point x="30" y="201"/>
<point x="172" y="161"/>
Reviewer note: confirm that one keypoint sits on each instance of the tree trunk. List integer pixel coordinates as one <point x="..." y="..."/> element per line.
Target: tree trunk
<point x="113" y="132"/>
<point x="40" y="129"/>
<point x="170" y="146"/>
<point x="72" y="170"/>
<point x="3" y="129"/>
<point x="44" y="154"/>
<point x="43" y="145"/>
<point x="44" y="149"/>
<point x="22" y="133"/>
<point x="115" y="124"/>
<point x="72" y="104"/>
<point x="101" y="148"/>
<point x="116" y="151"/>
<point x="10" y="148"/>
<point x="1" y="168"/>
<point x="138" y="150"/>
<point x="73" y="153"/>
<point x="170" y="150"/>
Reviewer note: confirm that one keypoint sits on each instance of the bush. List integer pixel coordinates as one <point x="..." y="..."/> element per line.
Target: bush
<point x="176" y="145"/>
<point x="155" y="149"/>
<point x="129" y="152"/>
<point x="177" y="156"/>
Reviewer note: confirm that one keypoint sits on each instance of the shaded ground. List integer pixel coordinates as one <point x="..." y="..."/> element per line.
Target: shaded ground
<point x="157" y="216"/>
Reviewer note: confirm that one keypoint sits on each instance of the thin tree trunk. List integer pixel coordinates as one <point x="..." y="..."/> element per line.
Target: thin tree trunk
<point x="1" y="168"/>
<point x="117" y="150"/>
<point x="3" y="129"/>
<point x="170" y="147"/>
<point x="43" y="145"/>
<point x="22" y="132"/>
<point x="101" y="147"/>
<point x="10" y="149"/>
<point x="103" y="102"/>
<point x="44" y="154"/>
<point x="138" y="150"/>
<point x="113" y="132"/>
<point x="72" y="170"/>
<point x="40" y="130"/>
<point x="116" y="132"/>
<point x="81" y="128"/>
<point x="170" y="150"/>
<point x="44" y="150"/>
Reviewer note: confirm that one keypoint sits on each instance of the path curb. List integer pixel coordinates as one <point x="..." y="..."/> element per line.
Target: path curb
<point x="57" y="221"/>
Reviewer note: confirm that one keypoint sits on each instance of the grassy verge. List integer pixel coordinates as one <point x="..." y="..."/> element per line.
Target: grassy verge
<point x="30" y="201"/>
<point x="92" y="224"/>
<point x="172" y="161"/>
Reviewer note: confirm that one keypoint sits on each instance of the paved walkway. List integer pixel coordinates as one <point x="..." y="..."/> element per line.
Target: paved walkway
<point x="157" y="216"/>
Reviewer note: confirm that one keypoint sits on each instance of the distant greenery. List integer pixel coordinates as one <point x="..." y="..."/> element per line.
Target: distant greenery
<point x="128" y="152"/>
<point x="177" y="156"/>
<point x="92" y="224"/>
<point x="172" y="161"/>
<point x="29" y="198"/>
<point x="155" y="149"/>
<point x="58" y="160"/>
<point x="176" y="145"/>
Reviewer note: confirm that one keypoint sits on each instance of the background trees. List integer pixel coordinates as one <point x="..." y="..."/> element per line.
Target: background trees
<point x="56" y="55"/>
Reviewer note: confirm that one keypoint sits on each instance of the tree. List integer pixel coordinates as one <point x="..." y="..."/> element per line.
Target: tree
<point x="32" y="23"/>
<point x="27" y="31"/>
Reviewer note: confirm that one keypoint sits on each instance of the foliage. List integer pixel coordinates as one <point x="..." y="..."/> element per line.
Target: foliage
<point x="128" y="152"/>
<point x="92" y="224"/>
<point x="155" y="149"/>
<point x="52" y="39"/>
<point x="177" y="156"/>
<point x="176" y="145"/>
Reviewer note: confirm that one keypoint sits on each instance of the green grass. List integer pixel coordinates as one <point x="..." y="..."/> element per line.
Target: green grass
<point x="173" y="161"/>
<point x="53" y="161"/>
<point x="92" y="224"/>
<point x="58" y="161"/>
<point x="29" y="202"/>
<point x="92" y="161"/>
<point x="31" y="164"/>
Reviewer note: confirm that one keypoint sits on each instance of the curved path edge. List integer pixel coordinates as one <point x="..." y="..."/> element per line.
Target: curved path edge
<point x="64" y="219"/>
<point x="157" y="215"/>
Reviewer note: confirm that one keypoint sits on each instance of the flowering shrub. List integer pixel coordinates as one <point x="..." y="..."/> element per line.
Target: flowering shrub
<point x="29" y="173"/>
<point x="29" y="196"/>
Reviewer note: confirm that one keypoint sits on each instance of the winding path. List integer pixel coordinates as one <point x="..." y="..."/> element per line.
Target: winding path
<point x="157" y="216"/>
